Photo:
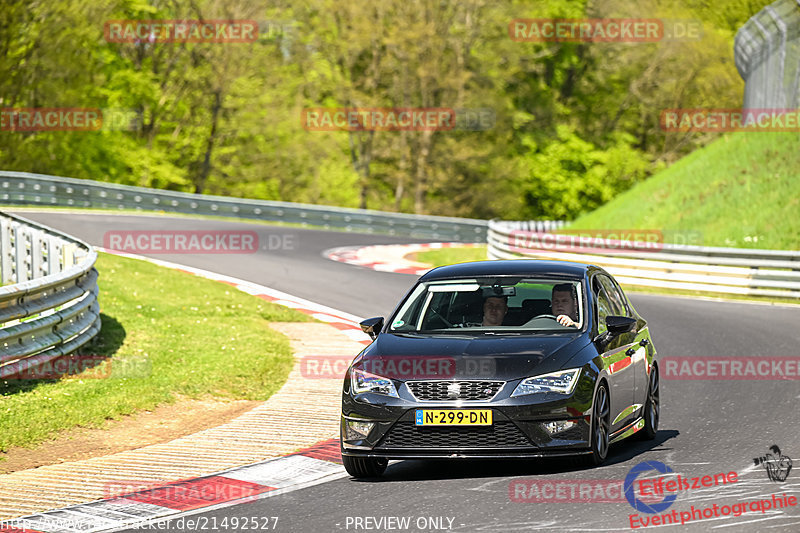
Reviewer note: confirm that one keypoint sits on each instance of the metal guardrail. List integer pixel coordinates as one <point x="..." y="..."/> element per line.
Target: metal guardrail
<point x="22" y="188"/>
<point x="767" y="53"/>
<point x="48" y="301"/>
<point x="698" y="268"/>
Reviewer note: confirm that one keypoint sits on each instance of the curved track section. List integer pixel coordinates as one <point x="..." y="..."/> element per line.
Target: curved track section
<point x="707" y="427"/>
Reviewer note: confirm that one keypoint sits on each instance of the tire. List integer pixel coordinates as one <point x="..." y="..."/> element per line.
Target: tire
<point x="652" y="407"/>
<point x="600" y="428"/>
<point x="364" y="467"/>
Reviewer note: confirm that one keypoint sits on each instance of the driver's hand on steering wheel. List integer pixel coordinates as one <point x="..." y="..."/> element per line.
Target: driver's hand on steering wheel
<point x="564" y="320"/>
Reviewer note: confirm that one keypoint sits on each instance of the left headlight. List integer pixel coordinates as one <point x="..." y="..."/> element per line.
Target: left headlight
<point x="361" y="381"/>
<point x="562" y="382"/>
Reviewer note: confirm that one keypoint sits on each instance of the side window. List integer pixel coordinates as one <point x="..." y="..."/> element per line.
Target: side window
<point x="617" y="301"/>
<point x="603" y="306"/>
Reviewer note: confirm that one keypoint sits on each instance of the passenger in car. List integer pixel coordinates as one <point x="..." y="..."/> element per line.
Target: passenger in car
<point x="565" y="304"/>
<point x="494" y="310"/>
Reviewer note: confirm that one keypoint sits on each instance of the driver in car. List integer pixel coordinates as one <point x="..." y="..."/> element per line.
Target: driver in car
<point x="565" y="304"/>
<point x="494" y="310"/>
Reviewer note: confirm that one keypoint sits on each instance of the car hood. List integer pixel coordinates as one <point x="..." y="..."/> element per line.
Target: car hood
<point x="410" y="356"/>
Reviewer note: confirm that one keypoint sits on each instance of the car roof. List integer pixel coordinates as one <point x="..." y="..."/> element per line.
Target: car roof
<point x="511" y="267"/>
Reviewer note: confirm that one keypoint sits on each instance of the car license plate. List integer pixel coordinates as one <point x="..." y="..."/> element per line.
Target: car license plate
<point x="453" y="417"/>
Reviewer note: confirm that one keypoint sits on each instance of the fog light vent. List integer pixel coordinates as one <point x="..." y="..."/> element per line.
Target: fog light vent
<point x="358" y="430"/>
<point x="558" y="426"/>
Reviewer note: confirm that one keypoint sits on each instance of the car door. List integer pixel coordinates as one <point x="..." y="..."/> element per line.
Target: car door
<point x="640" y="343"/>
<point x="616" y="358"/>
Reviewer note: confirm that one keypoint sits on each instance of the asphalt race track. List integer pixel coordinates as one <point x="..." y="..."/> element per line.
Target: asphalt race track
<point x="707" y="427"/>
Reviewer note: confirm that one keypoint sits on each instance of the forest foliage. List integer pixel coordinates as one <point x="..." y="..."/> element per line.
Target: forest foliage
<point x="574" y="123"/>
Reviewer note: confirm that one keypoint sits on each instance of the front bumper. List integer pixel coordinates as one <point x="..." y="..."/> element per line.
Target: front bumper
<point x="475" y="454"/>
<point x="521" y="427"/>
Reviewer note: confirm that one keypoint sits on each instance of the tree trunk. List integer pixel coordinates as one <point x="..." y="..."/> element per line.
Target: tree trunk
<point x="421" y="174"/>
<point x="205" y="168"/>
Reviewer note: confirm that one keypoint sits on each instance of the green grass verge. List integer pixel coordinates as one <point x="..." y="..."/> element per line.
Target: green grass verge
<point x="451" y="256"/>
<point x="168" y="334"/>
<point x="742" y="190"/>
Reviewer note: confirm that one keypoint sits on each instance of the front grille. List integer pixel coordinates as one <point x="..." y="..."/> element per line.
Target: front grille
<point x="499" y="435"/>
<point x="436" y="391"/>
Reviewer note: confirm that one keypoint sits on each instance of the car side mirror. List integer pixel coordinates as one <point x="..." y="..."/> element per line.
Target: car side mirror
<point x="616" y="326"/>
<point x="372" y="326"/>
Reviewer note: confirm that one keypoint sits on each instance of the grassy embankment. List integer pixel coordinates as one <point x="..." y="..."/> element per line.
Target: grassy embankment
<point x="743" y="190"/>
<point x="167" y="335"/>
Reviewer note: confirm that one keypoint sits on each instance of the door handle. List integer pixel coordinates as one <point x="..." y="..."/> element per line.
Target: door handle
<point x="629" y="352"/>
<point x="644" y="342"/>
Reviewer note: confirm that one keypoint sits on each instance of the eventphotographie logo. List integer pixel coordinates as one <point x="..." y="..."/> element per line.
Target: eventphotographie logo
<point x="775" y="463"/>
<point x="633" y="498"/>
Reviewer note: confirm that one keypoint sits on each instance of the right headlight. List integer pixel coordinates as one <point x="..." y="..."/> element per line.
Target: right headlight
<point x="361" y="381"/>
<point x="562" y="382"/>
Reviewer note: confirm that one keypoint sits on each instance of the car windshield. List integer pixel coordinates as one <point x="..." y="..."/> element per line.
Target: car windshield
<point x="492" y="306"/>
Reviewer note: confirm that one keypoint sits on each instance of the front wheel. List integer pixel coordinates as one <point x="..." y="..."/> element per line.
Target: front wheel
<point x="364" y="467"/>
<point x="652" y="408"/>
<point x="601" y="425"/>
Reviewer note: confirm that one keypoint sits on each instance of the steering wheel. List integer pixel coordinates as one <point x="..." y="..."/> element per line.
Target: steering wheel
<point x="545" y="316"/>
<point x="443" y="319"/>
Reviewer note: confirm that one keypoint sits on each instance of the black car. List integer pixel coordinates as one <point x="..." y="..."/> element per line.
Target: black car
<point x="501" y="359"/>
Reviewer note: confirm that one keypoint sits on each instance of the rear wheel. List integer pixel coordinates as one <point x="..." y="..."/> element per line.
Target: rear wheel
<point x="652" y="408"/>
<point x="364" y="466"/>
<point x="601" y="424"/>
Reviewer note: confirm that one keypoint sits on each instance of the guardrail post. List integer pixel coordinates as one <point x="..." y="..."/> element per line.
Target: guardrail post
<point x="20" y="255"/>
<point x="6" y="252"/>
